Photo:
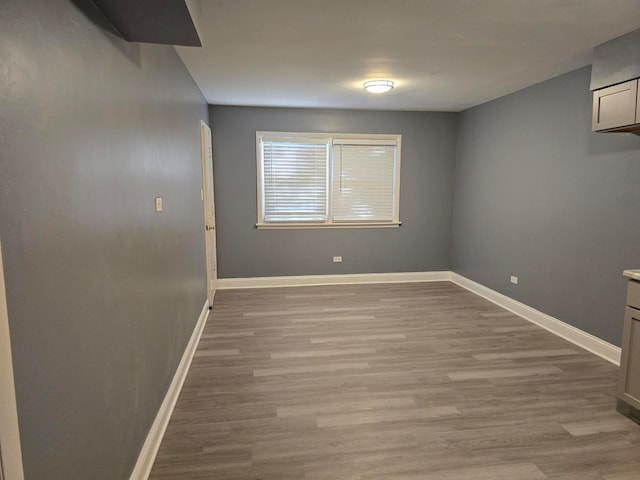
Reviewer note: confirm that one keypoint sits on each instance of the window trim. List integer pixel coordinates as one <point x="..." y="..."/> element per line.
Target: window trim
<point x="331" y="139"/>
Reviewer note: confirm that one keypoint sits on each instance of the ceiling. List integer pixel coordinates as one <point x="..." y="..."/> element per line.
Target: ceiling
<point x="442" y="54"/>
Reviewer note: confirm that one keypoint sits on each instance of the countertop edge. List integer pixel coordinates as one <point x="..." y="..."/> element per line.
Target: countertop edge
<point x="632" y="274"/>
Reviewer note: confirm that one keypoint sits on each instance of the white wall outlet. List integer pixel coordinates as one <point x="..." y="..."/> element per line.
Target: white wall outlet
<point x="337" y="259"/>
<point x="158" y="204"/>
<point x="514" y="279"/>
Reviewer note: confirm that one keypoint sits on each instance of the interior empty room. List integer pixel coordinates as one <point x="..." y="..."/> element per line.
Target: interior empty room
<point x="319" y="240"/>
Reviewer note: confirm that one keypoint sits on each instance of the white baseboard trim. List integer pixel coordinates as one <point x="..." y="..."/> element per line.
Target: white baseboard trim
<point x="311" y="280"/>
<point x="147" y="456"/>
<point x="574" y="335"/>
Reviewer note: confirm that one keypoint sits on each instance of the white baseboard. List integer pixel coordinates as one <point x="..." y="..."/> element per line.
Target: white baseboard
<point x="574" y="335"/>
<point x="311" y="280"/>
<point x="151" y="445"/>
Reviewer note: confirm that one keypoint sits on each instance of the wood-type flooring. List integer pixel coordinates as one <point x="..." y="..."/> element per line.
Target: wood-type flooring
<point x="414" y="381"/>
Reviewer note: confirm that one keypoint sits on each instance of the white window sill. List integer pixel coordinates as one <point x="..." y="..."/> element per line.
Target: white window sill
<point x="298" y="226"/>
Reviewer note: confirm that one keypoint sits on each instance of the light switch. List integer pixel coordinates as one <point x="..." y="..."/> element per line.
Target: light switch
<point x="158" y="204"/>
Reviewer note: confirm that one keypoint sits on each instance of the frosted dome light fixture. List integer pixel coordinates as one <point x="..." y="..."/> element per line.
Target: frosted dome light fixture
<point x="378" y="86"/>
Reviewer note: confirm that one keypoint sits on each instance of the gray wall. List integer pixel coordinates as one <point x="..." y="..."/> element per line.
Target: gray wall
<point x="103" y="293"/>
<point x="422" y="243"/>
<point x="537" y="195"/>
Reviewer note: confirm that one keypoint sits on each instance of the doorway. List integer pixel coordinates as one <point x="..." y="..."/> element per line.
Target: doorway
<point x="10" y="451"/>
<point x="209" y="211"/>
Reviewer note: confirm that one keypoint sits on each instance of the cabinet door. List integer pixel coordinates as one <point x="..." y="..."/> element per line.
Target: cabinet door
<point x="629" y="383"/>
<point x="615" y="106"/>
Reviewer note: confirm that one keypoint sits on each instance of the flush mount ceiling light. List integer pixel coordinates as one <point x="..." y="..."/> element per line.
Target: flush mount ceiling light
<point x="378" y="86"/>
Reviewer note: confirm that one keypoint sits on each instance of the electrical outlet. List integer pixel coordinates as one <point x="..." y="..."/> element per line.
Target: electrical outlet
<point x="337" y="259"/>
<point x="514" y="279"/>
<point x="158" y="204"/>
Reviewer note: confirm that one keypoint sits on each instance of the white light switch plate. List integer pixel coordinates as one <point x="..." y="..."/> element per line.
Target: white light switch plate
<point x="158" y="204"/>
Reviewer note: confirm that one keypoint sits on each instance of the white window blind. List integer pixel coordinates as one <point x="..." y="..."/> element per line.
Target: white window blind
<point x="363" y="182"/>
<point x="294" y="180"/>
<point x="324" y="180"/>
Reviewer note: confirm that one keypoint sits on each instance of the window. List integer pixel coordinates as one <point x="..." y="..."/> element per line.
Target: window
<point x="327" y="180"/>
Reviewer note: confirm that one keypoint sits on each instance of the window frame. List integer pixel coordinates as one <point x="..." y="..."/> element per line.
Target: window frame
<point x="357" y="138"/>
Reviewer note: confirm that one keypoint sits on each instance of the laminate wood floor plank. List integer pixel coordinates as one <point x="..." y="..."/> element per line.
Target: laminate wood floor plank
<point x="398" y="381"/>
<point x="323" y="353"/>
<point x="329" y="407"/>
<point x="520" y="471"/>
<point x="526" y="354"/>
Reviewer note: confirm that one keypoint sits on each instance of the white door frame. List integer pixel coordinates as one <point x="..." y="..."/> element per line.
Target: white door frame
<point x="11" y="461"/>
<point x="208" y="201"/>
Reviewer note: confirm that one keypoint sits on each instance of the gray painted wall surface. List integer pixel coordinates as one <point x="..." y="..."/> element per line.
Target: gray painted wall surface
<point x="422" y="243"/>
<point x="103" y="293"/>
<point x="538" y="195"/>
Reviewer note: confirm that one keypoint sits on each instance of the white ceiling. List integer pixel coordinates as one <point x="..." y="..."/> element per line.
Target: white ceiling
<point x="442" y="54"/>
